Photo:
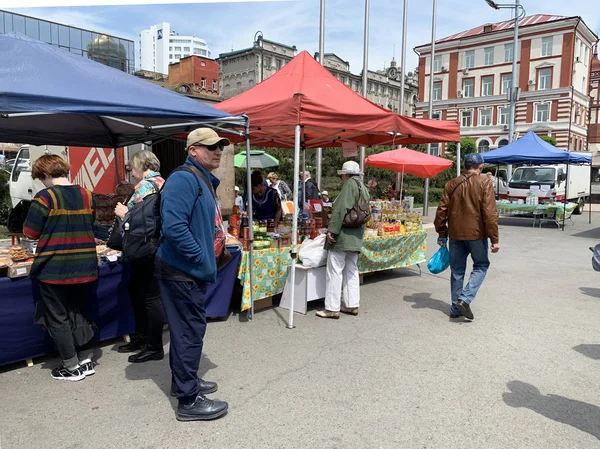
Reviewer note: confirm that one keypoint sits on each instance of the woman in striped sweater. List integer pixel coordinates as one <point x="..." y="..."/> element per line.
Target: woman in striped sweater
<point x="61" y="217"/>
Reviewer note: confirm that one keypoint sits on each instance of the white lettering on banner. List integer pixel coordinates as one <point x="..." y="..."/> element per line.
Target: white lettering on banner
<point x="94" y="167"/>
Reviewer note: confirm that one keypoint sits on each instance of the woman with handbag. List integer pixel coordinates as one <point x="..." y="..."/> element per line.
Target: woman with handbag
<point x="143" y="287"/>
<point x="344" y="241"/>
<point x="61" y="217"/>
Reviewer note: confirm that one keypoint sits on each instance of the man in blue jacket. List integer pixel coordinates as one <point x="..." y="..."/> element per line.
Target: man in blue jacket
<point x="192" y="230"/>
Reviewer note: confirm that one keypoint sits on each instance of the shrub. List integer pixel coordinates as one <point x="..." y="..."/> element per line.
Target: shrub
<point x="5" y="204"/>
<point x="435" y="195"/>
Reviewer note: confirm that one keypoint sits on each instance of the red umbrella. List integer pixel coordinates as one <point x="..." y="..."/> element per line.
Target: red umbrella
<point x="409" y="161"/>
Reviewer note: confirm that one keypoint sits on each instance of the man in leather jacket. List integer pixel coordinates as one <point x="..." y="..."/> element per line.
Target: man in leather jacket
<point x="467" y="214"/>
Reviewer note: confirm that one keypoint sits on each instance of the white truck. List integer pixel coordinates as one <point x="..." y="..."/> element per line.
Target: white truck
<point x="92" y="168"/>
<point x="551" y="181"/>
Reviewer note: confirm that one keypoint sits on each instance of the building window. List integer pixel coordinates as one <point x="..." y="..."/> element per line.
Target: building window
<point x="435" y="149"/>
<point x="487" y="86"/>
<point x="504" y="114"/>
<point x="547" y="46"/>
<point x="186" y="49"/>
<point x="214" y="86"/>
<point x="489" y="55"/>
<point x="485" y="117"/>
<point x="502" y="143"/>
<point x="437" y="91"/>
<point x="469" y="59"/>
<point x="436" y="116"/>
<point x="437" y="63"/>
<point x="466" y="118"/>
<point x="506" y="83"/>
<point x="584" y="86"/>
<point x="468" y="87"/>
<point x="177" y="48"/>
<point x="177" y="56"/>
<point x="203" y="83"/>
<point x="542" y="113"/>
<point x="170" y="48"/>
<point x="279" y="64"/>
<point x="483" y="146"/>
<point x="203" y="64"/>
<point x="509" y="52"/>
<point x="545" y="79"/>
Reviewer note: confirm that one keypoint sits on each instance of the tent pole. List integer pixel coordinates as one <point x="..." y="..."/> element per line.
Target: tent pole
<point x="116" y="165"/>
<point x="402" y="183"/>
<point x="566" y="196"/>
<point x="457" y="159"/>
<point x="250" y="231"/>
<point x="303" y="178"/>
<point x="321" y="60"/>
<point x="590" y="195"/>
<point x="292" y="276"/>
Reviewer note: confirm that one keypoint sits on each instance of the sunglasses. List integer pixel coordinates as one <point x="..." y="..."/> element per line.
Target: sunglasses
<point x="209" y="147"/>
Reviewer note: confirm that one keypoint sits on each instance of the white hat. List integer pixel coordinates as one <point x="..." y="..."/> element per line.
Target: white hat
<point x="350" y="168"/>
<point x="237" y="189"/>
<point x="324" y="192"/>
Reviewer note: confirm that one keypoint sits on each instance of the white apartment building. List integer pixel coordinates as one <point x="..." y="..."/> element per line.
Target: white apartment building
<point x="161" y="46"/>
<point x="473" y="72"/>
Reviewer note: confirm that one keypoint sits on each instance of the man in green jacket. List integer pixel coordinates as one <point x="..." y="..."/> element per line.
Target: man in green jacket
<point x="344" y="245"/>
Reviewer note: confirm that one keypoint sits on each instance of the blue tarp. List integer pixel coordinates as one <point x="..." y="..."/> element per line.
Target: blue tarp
<point x="79" y="99"/>
<point x="530" y="149"/>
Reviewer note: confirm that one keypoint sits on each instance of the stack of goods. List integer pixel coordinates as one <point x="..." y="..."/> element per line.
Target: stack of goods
<point x="532" y="199"/>
<point x="262" y="239"/>
<point x="105" y="254"/>
<point x="15" y="261"/>
<point x="389" y="218"/>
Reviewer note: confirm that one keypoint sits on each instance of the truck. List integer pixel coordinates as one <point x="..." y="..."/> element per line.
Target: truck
<point x="96" y="169"/>
<point x="551" y="181"/>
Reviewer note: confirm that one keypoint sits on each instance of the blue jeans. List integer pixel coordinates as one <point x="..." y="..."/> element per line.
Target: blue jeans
<point x="459" y="251"/>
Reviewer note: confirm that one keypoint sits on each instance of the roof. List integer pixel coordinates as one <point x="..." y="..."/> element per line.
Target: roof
<point x="234" y="53"/>
<point x="595" y="66"/>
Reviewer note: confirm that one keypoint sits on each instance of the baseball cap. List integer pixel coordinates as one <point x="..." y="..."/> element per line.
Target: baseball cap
<point x="237" y="189"/>
<point x="205" y="136"/>
<point x="474" y="159"/>
<point x="350" y="168"/>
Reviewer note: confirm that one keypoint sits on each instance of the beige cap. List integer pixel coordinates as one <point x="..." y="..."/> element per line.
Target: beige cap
<point x="350" y="168"/>
<point x="206" y="137"/>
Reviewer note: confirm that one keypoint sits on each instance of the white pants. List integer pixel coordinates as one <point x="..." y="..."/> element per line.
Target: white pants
<point x="342" y="276"/>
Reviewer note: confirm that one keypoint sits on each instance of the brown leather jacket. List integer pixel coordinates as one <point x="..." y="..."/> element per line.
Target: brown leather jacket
<point x="470" y="212"/>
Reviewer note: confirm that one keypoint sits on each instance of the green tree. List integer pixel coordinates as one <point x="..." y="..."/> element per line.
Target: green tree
<point x="551" y="140"/>
<point x="467" y="146"/>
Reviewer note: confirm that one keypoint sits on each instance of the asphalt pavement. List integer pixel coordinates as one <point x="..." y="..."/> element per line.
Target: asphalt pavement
<point x="524" y="374"/>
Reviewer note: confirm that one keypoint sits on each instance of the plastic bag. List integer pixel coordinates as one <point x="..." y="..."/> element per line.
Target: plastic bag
<point x="313" y="253"/>
<point x="439" y="261"/>
<point x="596" y="257"/>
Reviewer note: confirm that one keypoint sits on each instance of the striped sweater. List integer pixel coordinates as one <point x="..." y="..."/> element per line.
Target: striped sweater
<point x="61" y="217"/>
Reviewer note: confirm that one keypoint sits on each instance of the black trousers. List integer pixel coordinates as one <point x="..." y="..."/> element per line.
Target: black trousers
<point x="144" y="293"/>
<point x="60" y="301"/>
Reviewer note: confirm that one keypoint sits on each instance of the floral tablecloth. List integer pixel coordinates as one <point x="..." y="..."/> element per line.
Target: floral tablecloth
<point x="271" y="265"/>
<point x="530" y="209"/>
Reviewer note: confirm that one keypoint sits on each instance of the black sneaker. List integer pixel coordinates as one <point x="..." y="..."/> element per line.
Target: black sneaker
<point x="202" y="409"/>
<point x="62" y="373"/>
<point x="87" y="367"/>
<point x="465" y="309"/>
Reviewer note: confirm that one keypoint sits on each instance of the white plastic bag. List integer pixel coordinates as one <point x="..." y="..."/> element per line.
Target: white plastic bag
<point x="312" y="252"/>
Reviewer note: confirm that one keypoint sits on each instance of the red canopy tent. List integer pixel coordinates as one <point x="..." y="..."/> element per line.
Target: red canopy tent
<point x="409" y="161"/>
<point x="304" y="106"/>
<point x="304" y="93"/>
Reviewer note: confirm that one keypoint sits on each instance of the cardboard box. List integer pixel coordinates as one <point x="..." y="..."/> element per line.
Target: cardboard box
<point x="285" y="242"/>
<point x="274" y="243"/>
<point x="19" y="271"/>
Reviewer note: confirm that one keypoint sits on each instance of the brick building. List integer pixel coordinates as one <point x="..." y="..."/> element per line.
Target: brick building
<point x="196" y="74"/>
<point x="473" y="72"/>
<point x="594" y="127"/>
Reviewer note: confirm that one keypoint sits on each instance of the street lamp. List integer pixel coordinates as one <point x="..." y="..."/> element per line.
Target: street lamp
<point x="519" y="12"/>
<point x="258" y="37"/>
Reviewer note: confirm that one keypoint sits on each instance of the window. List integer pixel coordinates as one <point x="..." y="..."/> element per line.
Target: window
<point x="203" y="64"/>
<point x="466" y="118"/>
<point x="204" y="83"/>
<point x="489" y="55"/>
<point x="268" y="62"/>
<point x="437" y="63"/>
<point x="437" y="91"/>
<point x="170" y="48"/>
<point x="186" y="49"/>
<point x="214" y="85"/>
<point x="502" y="143"/>
<point x="21" y="164"/>
<point x="435" y="149"/>
<point x="487" y="86"/>
<point x="468" y="87"/>
<point x="485" y="117"/>
<point x="278" y="64"/>
<point x="177" y="56"/>
<point x="436" y="116"/>
<point x="509" y="52"/>
<point x="504" y="114"/>
<point x="32" y="28"/>
<point x="469" y="59"/>
<point x="542" y="113"/>
<point x="177" y="48"/>
<point x="506" y="83"/>
<point x="483" y="146"/>
<point x="547" y="46"/>
<point x="545" y="79"/>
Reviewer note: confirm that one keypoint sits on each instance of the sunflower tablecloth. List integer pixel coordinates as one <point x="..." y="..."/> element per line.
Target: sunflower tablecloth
<point x="271" y="265"/>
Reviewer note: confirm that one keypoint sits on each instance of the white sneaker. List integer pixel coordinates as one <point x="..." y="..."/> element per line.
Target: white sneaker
<point x="87" y="367"/>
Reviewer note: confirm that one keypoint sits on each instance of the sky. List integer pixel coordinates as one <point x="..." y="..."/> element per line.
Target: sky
<point x="227" y="26"/>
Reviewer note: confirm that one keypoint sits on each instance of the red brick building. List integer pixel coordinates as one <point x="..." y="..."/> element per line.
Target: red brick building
<point x="196" y="74"/>
<point x="473" y="73"/>
<point x="594" y="127"/>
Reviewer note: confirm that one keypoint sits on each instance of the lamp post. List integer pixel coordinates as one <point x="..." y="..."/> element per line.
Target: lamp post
<point x="433" y="24"/>
<point x="402" y="79"/>
<point x="321" y="60"/>
<point x="519" y="13"/>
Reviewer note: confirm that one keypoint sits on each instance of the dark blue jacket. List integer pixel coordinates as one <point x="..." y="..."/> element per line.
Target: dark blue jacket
<point x="188" y="243"/>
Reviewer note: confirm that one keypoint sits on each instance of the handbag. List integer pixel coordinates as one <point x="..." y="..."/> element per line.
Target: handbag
<point x="360" y="214"/>
<point x="115" y="237"/>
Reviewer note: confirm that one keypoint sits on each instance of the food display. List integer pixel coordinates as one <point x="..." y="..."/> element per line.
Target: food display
<point x="391" y="218"/>
<point x="18" y="253"/>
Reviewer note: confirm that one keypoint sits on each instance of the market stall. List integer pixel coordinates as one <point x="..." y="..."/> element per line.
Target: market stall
<point x="551" y="212"/>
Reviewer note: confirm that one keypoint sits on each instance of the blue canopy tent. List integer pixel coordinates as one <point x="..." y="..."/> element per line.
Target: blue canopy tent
<point x="530" y="149"/>
<point x="50" y="96"/>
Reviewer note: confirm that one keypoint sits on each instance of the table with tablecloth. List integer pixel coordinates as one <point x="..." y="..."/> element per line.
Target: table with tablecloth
<point x="271" y="266"/>
<point x="108" y="303"/>
<point x="546" y="212"/>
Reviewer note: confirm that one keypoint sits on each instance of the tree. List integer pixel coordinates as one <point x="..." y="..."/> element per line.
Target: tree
<point x="467" y="146"/>
<point x="551" y="140"/>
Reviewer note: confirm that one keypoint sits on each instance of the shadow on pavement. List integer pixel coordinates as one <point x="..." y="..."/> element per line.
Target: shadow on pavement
<point x="581" y="415"/>
<point x="591" y="291"/>
<point x="425" y="301"/>
<point x="591" y="351"/>
<point x="589" y="234"/>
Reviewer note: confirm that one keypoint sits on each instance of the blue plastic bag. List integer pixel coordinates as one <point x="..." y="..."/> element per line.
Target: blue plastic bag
<point x="439" y="261"/>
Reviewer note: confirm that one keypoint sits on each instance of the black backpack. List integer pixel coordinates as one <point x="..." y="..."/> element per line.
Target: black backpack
<point x="17" y="216"/>
<point x="141" y="227"/>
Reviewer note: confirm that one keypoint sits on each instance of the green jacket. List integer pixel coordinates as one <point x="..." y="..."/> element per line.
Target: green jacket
<point x="347" y="239"/>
